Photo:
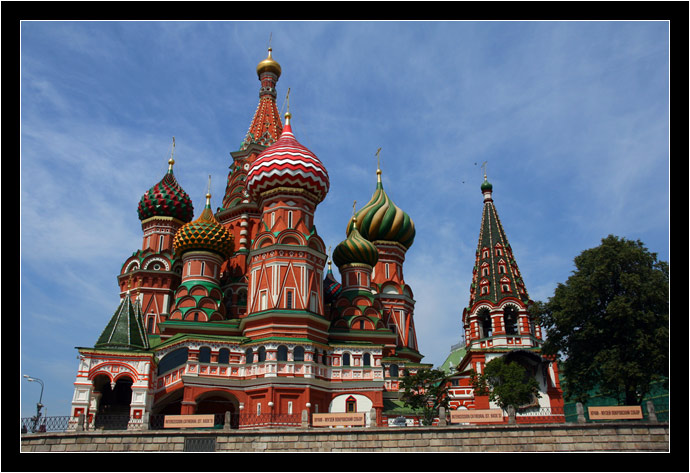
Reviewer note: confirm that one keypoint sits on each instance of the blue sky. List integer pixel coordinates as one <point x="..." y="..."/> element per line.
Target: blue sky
<point x="572" y="119"/>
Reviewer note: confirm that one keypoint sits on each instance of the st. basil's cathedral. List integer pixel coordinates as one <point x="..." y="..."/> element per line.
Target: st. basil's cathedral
<point x="239" y="311"/>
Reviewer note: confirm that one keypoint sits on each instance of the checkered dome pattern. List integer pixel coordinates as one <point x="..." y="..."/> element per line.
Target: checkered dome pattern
<point x="287" y="164"/>
<point x="166" y="199"/>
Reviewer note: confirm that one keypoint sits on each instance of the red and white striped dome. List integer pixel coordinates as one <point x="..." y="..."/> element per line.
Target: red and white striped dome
<point x="288" y="164"/>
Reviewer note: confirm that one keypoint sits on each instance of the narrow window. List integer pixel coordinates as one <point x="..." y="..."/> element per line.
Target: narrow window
<point x="203" y="268"/>
<point x="282" y="353"/>
<point x="262" y="354"/>
<point x="150" y="325"/>
<point x="351" y="404"/>
<point x="273" y="219"/>
<point x="298" y="354"/>
<point x="258" y="409"/>
<point x="289" y="407"/>
<point x="289" y="218"/>
<point x="288" y="300"/>
<point x="366" y="360"/>
<point x="224" y="356"/>
<point x="160" y="243"/>
<point x="346" y="359"/>
<point x="204" y="355"/>
<point x="249" y="355"/>
<point x="387" y="273"/>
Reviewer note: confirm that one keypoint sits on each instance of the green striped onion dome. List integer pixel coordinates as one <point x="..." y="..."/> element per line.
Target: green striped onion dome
<point x="355" y="249"/>
<point x="205" y="233"/>
<point x="166" y="199"/>
<point x="381" y="219"/>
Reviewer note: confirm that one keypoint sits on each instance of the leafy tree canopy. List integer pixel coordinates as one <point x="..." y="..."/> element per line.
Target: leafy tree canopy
<point x="610" y="322"/>
<point x="426" y="390"/>
<point x="507" y="383"/>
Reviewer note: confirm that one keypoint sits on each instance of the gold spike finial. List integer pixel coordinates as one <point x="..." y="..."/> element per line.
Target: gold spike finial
<point x="171" y="161"/>
<point x="378" y="165"/>
<point x="484" y="169"/>
<point x="208" y="192"/>
<point x="288" y="115"/>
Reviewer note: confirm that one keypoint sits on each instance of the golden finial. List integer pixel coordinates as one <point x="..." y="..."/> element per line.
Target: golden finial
<point x="171" y="161"/>
<point x="354" y="217"/>
<point x="378" y="165"/>
<point x="288" y="115"/>
<point x="484" y="169"/>
<point x="208" y="192"/>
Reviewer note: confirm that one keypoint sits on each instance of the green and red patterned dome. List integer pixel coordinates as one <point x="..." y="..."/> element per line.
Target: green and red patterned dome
<point x="166" y="199"/>
<point x="355" y="249"/>
<point x="204" y="233"/>
<point x="381" y="220"/>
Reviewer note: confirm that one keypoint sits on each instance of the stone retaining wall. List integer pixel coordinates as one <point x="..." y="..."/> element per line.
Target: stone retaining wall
<point x="604" y="437"/>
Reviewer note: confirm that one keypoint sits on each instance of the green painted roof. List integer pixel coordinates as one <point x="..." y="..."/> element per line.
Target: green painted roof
<point x="126" y="328"/>
<point x="503" y="269"/>
<point x="454" y="358"/>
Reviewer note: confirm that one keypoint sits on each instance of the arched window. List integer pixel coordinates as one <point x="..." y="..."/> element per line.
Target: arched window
<point x="366" y="359"/>
<point x="346" y="359"/>
<point x="350" y="404"/>
<point x="510" y="319"/>
<point x="261" y="354"/>
<point x="289" y="219"/>
<point x="150" y="324"/>
<point x="204" y="355"/>
<point x="224" y="356"/>
<point x="249" y="355"/>
<point x="173" y="360"/>
<point x="282" y="353"/>
<point x="394" y="371"/>
<point x="298" y="354"/>
<point x="484" y="318"/>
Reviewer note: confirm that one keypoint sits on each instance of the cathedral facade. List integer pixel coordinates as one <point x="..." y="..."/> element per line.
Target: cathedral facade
<point x="239" y="311"/>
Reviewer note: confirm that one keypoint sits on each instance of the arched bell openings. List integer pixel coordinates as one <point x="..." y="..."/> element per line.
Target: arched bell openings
<point x="484" y="322"/>
<point x="510" y="319"/>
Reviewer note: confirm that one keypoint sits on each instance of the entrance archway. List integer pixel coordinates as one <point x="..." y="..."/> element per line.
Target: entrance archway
<point x="114" y="404"/>
<point x="218" y="403"/>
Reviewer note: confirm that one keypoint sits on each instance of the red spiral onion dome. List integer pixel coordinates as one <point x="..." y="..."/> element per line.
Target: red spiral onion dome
<point x="287" y="164"/>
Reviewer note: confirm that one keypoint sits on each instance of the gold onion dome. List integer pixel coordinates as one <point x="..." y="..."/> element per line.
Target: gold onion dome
<point x="204" y="233"/>
<point x="268" y="65"/>
<point x="355" y="249"/>
<point x="381" y="220"/>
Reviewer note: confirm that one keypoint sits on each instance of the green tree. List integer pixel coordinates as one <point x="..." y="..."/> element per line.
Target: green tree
<point x="426" y="390"/>
<point x="610" y="322"/>
<point x="507" y="383"/>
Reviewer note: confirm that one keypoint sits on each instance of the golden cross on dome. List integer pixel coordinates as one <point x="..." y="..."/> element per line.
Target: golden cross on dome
<point x="354" y="204"/>
<point x="484" y="169"/>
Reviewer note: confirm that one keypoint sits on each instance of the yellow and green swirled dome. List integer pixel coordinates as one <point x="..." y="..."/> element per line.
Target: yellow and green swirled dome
<point x="355" y="249"/>
<point x="381" y="219"/>
<point x="204" y="233"/>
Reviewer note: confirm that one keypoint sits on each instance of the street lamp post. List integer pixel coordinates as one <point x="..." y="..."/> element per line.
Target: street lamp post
<point x="40" y="399"/>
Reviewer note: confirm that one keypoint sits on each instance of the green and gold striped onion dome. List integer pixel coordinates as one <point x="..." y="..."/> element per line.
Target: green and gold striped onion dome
<point x="355" y="249"/>
<point x="166" y="199"/>
<point x="381" y="219"/>
<point x="205" y="233"/>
